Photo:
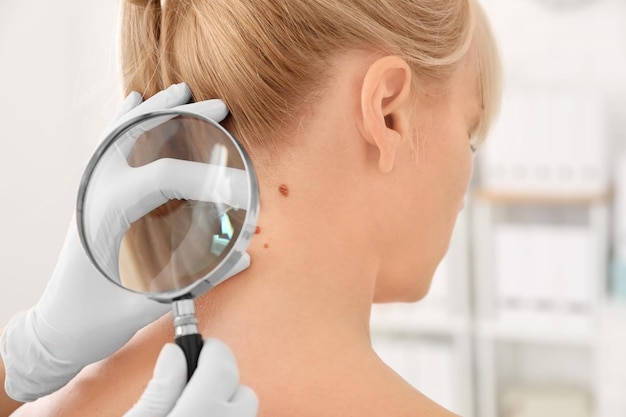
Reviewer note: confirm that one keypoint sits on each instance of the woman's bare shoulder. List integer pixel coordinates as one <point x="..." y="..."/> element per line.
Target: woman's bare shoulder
<point x="403" y="400"/>
<point x="369" y="389"/>
<point x="419" y="405"/>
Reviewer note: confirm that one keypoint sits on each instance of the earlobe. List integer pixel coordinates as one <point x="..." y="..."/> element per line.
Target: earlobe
<point x="385" y="105"/>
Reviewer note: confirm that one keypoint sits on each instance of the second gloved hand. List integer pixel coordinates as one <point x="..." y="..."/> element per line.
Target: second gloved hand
<point x="212" y="391"/>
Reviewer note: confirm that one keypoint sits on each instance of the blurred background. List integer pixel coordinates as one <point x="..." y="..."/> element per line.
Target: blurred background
<point x="527" y="312"/>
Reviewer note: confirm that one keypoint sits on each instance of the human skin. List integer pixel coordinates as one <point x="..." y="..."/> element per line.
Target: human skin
<point x="375" y="181"/>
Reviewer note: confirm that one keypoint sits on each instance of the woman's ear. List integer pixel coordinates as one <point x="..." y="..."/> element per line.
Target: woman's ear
<point x="385" y="107"/>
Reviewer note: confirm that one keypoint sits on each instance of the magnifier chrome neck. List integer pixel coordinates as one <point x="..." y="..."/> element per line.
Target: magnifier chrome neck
<point x="185" y="321"/>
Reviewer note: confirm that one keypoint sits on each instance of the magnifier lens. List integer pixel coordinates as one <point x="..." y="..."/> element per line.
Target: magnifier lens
<point x="196" y="211"/>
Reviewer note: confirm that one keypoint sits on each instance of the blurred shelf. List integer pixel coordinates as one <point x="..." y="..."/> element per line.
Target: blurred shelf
<point x="565" y="199"/>
<point x="428" y="325"/>
<point x="565" y="333"/>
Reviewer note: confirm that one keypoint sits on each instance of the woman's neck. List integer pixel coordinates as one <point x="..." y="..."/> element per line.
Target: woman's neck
<point x="302" y="284"/>
<point x="298" y="315"/>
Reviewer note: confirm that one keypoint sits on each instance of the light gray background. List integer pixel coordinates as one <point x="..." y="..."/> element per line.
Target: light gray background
<point x="58" y="90"/>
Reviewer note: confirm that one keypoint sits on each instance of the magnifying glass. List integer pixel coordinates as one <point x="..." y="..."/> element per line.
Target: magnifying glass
<point x="166" y="208"/>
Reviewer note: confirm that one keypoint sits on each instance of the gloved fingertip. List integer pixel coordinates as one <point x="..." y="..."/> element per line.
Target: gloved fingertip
<point x="242" y="264"/>
<point x="246" y="397"/>
<point x="171" y="351"/>
<point x="134" y="97"/>
<point x="217" y="108"/>
<point x="217" y="351"/>
<point x="182" y="85"/>
<point x="245" y="260"/>
<point x="175" y="95"/>
<point x="131" y="101"/>
<point x="180" y="88"/>
<point x="170" y="354"/>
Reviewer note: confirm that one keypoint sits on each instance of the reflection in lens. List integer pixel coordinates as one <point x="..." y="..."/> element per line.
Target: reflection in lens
<point x="177" y="244"/>
<point x="181" y="241"/>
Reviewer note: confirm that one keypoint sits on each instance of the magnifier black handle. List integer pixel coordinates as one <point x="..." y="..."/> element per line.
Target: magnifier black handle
<point x="191" y="344"/>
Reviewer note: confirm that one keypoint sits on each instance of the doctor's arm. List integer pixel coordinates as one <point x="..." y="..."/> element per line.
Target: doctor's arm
<point x="7" y="404"/>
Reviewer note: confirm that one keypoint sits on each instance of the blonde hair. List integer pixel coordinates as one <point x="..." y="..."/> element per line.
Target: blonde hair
<point x="266" y="58"/>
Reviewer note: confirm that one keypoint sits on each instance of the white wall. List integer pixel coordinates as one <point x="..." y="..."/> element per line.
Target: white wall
<point x="59" y="88"/>
<point x="582" y="45"/>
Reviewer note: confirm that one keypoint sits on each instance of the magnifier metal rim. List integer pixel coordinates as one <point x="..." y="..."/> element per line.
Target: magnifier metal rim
<point x="238" y="248"/>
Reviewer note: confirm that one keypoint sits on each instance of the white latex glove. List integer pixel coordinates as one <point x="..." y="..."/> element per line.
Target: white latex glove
<point x="82" y="317"/>
<point x="212" y="391"/>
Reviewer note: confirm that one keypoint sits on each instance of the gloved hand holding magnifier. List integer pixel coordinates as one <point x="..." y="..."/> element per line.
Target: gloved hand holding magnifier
<point x="167" y="207"/>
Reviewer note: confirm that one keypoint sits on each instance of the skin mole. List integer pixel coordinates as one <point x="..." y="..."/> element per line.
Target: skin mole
<point x="283" y="190"/>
